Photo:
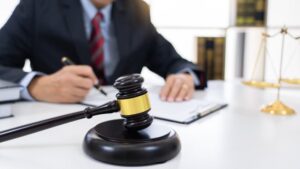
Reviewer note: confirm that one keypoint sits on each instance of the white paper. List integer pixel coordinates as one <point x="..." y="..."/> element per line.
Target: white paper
<point x="95" y="98"/>
<point x="184" y="111"/>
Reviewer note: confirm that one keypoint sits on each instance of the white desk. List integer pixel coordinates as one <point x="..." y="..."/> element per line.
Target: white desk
<point x="238" y="137"/>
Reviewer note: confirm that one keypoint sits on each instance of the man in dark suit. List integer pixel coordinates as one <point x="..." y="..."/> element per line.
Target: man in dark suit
<point x="106" y="38"/>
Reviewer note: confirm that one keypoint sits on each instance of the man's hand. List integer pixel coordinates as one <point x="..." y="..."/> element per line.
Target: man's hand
<point x="68" y="85"/>
<point x="178" y="87"/>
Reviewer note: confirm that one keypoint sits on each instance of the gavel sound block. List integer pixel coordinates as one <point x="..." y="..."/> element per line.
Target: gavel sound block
<point x="131" y="141"/>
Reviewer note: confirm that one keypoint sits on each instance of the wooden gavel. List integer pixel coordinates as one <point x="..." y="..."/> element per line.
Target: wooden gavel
<point x="132" y="101"/>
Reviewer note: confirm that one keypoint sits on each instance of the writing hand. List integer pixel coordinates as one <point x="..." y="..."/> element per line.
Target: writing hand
<point x="68" y="85"/>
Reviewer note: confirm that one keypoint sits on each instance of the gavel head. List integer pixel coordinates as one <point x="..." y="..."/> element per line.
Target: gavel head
<point x="134" y="102"/>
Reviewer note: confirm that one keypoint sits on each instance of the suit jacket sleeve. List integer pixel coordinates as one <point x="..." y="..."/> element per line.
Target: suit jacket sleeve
<point x="163" y="58"/>
<point x="16" y="42"/>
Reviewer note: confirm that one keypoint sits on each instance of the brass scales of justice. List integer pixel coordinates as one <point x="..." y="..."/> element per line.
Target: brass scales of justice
<point x="277" y="107"/>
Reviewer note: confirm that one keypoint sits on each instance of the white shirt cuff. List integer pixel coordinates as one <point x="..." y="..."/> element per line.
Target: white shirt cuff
<point x="25" y="83"/>
<point x="191" y="72"/>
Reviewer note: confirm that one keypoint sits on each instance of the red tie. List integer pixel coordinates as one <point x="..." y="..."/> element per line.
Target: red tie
<point x="96" y="48"/>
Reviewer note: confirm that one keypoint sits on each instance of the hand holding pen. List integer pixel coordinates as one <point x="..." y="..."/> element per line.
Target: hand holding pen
<point x="66" y="61"/>
<point x="70" y="84"/>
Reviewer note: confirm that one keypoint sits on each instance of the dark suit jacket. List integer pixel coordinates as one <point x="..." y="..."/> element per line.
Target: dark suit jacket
<point x="45" y="30"/>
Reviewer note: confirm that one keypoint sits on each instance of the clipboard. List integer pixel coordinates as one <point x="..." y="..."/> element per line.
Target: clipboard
<point x="192" y="118"/>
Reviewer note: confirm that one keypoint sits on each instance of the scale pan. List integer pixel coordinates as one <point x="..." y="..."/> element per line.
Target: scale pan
<point x="261" y="84"/>
<point x="291" y="81"/>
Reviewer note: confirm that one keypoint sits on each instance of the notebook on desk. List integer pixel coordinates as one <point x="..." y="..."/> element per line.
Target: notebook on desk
<point x="181" y="112"/>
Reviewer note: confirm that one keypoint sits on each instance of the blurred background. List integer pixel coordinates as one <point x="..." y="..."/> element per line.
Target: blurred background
<point x="224" y="36"/>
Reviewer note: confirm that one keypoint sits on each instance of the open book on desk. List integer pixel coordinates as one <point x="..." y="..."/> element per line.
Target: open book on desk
<point x="181" y="112"/>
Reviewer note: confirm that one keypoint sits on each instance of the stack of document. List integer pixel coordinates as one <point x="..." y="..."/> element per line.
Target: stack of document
<point x="183" y="112"/>
<point x="5" y="110"/>
<point x="9" y="92"/>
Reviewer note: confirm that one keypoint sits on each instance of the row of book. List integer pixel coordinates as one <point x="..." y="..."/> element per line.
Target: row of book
<point x="9" y="92"/>
<point x="211" y="56"/>
<point x="251" y="12"/>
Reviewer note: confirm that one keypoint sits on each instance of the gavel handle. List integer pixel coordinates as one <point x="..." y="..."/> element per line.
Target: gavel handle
<point x="27" y="129"/>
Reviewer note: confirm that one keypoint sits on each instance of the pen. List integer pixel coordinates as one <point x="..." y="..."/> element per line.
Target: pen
<point x="66" y="61"/>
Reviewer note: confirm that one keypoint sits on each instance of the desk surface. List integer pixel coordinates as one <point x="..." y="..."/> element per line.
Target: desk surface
<point x="233" y="138"/>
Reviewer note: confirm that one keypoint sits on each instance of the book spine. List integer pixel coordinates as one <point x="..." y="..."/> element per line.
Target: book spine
<point x="209" y="64"/>
<point x="250" y="13"/>
<point x="201" y="52"/>
<point x="240" y="16"/>
<point x="219" y="58"/>
<point x="260" y="10"/>
<point x="211" y="56"/>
